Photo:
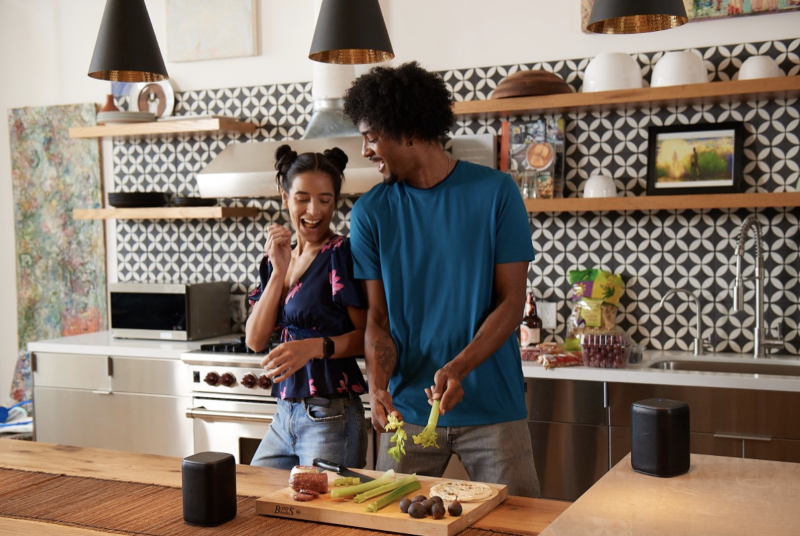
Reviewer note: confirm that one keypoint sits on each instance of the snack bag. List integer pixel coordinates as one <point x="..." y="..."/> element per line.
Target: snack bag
<point x="596" y="295"/>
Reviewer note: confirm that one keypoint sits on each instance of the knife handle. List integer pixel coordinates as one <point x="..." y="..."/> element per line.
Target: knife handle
<point x="328" y="466"/>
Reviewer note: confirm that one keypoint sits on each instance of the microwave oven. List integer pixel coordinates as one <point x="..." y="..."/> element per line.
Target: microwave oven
<point x="169" y="311"/>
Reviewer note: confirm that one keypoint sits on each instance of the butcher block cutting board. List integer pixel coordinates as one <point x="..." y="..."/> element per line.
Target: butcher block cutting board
<point x="390" y="519"/>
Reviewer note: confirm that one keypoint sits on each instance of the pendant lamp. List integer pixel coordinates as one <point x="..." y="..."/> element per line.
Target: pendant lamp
<point x="126" y="49"/>
<point x="350" y="32"/>
<point x="636" y="16"/>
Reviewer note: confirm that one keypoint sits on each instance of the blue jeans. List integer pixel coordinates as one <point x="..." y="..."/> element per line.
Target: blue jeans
<point x="315" y="428"/>
<point x="495" y="453"/>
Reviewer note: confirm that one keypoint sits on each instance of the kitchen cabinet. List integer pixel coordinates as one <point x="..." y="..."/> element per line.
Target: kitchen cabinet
<point x="580" y="429"/>
<point x="187" y="126"/>
<point x="132" y="404"/>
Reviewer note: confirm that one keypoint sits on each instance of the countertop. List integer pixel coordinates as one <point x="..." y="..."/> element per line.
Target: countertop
<point x="102" y="343"/>
<point x="640" y="373"/>
<point x="517" y="515"/>
<point x="718" y="496"/>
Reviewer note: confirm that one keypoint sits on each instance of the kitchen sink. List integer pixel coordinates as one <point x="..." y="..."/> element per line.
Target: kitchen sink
<point x="771" y="368"/>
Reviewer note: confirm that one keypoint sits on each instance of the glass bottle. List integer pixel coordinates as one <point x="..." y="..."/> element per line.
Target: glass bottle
<point x="530" y="331"/>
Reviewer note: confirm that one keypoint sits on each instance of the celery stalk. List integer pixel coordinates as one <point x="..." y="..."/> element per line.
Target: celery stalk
<point x="386" y="488"/>
<point x="349" y="491"/>
<point x="396" y="495"/>
<point x="427" y="437"/>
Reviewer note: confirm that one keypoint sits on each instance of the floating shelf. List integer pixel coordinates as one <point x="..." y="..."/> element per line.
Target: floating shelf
<point x="711" y="93"/>
<point x="664" y="202"/>
<point x="207" y="125"/>
<point x="164" y="213"/>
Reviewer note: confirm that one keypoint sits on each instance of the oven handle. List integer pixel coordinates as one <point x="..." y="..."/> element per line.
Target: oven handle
<point x="201" y="413"/>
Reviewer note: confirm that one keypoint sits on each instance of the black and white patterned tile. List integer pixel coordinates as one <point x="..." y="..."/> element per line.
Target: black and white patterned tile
<point x="654" y="251"/>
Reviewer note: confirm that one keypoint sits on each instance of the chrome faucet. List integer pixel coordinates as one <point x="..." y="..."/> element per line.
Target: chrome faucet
<point x="700" y="344"/>
<point x="760" y="340"/>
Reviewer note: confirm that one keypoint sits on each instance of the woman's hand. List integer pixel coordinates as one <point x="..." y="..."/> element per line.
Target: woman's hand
<point x="279" y="247"/>
<point x="289" y="357"/>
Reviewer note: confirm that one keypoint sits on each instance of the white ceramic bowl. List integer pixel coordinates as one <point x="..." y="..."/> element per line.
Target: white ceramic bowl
<point x="600" y="186"/>
<point x="679" y="68"/>
<point x="759" y="67"/>
<point x="611" y="71"/>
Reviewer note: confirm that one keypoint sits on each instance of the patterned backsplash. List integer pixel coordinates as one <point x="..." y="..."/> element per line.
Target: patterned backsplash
<point x="654" y="251"/>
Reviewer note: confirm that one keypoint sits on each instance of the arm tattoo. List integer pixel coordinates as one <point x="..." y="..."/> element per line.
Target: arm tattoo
<point x="385" y="354"/>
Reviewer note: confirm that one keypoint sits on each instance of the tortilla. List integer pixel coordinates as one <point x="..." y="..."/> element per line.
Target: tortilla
<point x="465" y="491"/>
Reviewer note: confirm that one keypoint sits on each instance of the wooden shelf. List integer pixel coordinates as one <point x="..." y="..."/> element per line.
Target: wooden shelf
<point x="208" y="125"/>
<point x="710" y="93"/>
<point x="664" y="202"/>
<point x="164" y="213"/>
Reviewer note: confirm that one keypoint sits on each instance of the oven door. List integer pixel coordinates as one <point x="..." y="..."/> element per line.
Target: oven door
<point x="237" y="426"/>
<point x="232" y="426"/>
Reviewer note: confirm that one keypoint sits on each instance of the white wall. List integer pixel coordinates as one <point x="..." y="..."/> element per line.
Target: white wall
<point x="46" y="46"/>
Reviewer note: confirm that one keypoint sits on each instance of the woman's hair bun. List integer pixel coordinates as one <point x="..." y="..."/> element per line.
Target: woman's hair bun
<point x="337" y="157"/>
<point x="284" y="158"/>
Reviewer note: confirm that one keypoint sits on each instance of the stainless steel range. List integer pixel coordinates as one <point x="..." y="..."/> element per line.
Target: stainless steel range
<point x="232" y="404"/>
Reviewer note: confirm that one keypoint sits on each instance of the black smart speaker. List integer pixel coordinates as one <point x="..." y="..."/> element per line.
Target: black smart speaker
<point x="209" y="489"/>
<point x="660" y="437"/>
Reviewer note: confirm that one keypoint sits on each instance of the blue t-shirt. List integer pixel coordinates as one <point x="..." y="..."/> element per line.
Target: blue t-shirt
<point x="316" y="306"/>
<point x="435" y="251"/>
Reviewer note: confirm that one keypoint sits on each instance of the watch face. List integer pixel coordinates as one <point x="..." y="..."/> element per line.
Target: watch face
<point x="327" y="347"/>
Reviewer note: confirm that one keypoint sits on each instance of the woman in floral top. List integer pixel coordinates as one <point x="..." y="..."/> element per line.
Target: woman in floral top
<point x="307" y="294"/>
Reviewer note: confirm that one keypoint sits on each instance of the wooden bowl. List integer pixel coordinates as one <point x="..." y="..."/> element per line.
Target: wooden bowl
<point x="530" y="83"/>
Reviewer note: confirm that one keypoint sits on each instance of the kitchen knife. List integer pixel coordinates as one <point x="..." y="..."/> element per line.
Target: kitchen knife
<point x="341" y="470"/>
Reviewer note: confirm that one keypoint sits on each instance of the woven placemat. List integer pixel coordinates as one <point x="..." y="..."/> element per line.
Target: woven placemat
<point x="141" y="509"/>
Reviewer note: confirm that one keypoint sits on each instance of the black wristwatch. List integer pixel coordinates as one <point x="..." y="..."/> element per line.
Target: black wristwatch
<point x="327" y="347"/>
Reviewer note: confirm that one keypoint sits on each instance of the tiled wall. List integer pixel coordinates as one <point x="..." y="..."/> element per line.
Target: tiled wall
<point x="654" y="251"/>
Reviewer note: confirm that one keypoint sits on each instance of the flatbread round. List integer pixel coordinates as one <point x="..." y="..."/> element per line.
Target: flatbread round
<point x="465" y="491"/>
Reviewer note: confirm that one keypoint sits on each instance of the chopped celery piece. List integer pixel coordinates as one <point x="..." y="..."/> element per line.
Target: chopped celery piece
<point x="399" y="438"/>
<point x="347" y="481"/>
<point x="349" y="491"/>
<point x="386" y="488"/>
<point x="396" y="495"/>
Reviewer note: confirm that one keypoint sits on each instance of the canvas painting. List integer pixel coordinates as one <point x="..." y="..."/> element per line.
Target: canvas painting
<point x="210" y="29"/>
<point x="713" y="9"/>
<point x="61" y="274"/>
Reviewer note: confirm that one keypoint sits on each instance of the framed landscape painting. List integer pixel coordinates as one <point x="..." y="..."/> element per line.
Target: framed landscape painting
<point x="695" y="159"/>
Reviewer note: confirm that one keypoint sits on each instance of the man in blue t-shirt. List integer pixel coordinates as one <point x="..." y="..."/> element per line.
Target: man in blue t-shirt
<point x="443" y="247"/>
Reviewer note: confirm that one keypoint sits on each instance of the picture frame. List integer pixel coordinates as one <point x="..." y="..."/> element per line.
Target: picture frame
<point x="695" y="159"/>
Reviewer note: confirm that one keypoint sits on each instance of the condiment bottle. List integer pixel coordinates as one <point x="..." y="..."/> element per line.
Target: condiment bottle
<point x="530" y="331"/>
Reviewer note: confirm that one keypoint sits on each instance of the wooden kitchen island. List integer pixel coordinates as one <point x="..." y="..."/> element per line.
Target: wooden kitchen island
<point x="103" y="474"/>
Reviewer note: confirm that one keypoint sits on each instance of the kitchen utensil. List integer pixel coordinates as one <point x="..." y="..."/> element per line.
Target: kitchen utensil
<point x="339" y="469"/>
<point x="679" y="68"/>
<point x="600" y="186"/>
<point x="137" y="199"/>
<point x="759" y="67"/>
<point x="612" y="71"/>
<point x="6" y="411"/>
<point x="193" y="202"/>
<point x="530" y="83"/>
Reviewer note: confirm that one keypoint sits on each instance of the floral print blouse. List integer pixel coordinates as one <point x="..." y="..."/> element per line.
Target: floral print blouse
<point x="316" y="306"/>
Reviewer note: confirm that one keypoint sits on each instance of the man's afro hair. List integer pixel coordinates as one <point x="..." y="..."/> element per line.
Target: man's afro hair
<point x="406" y="101"/>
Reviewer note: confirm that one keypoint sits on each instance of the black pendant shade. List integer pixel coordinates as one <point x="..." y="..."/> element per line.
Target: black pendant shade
<point x="126" y="49"/>
<point x="351" y="32"/>
<point x="636" y="16"/>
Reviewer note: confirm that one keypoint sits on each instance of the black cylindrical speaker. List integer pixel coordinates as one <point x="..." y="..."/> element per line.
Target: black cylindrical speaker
<point x="660" y="437"/>
<point x="209" y="489"/>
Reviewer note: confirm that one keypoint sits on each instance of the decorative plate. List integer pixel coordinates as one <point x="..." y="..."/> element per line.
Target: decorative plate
<point x="155" y="97"/>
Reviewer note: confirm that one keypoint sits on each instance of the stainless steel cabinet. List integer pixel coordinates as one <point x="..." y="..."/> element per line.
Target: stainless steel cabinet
<point x="121" y="403"/>
<point x="568" y="423"/>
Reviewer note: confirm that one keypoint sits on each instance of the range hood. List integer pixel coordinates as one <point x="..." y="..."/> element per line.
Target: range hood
<point x="248" y="169"/>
